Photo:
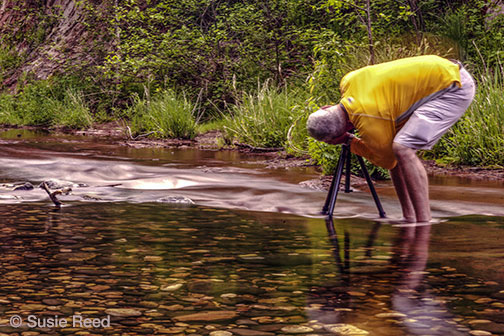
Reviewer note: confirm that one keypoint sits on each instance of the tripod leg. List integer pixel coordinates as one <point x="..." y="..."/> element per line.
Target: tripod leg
<point x="330" y="202"/>
<point x="347" y="170"/>
<point x="371" y="187"/>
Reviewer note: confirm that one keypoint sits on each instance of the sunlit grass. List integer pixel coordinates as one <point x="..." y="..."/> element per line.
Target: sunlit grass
<point x="166" y="115"/>
<point x="263" y="117"/>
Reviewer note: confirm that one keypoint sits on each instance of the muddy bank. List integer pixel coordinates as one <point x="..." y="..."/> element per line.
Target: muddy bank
<point x="274" y="159"/>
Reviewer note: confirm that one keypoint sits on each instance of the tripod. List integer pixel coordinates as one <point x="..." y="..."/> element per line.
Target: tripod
<point x="345" y="160"/>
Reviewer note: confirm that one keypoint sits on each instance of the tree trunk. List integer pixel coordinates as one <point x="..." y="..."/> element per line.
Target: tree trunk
<point x="370" y="33"/>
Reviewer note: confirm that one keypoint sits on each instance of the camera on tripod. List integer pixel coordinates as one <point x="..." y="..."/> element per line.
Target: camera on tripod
<point x="344" y="160"/>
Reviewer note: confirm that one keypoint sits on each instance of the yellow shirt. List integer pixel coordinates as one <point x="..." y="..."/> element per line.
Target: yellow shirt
<point x="376" y="96"/>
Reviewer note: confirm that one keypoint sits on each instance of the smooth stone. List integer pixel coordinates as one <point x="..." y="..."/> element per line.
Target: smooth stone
<point x="229" y="296"/>
<point x="250" y="332"/>
<point x="32" y="307"/>
<point x="171" y="288"/>
<point x="246" y="322"/>
<point x="345" y="329"/>
<point x="123" y="312"/>
<point x="390" y="315"/>
<point x="172" y="307"/>
<point x="494" y="328"/>
<point x="52" y="302"/>
<point x="218" y="315"/>
<point x="480" y="333"/>
<point x="171" y="330"/>
<point x="296" y="329"/>
<point x="24" y="186"/>
<point x="220" y="333"/>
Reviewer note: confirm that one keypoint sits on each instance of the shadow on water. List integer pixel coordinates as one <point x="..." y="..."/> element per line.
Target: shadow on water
<point x="241" y="259"/>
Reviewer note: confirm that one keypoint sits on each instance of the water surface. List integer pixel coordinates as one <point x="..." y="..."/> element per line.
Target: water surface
<point x="250" y="257"/>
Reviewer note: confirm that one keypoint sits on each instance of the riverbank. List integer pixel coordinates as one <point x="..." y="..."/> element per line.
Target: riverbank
<point x="274" y="159"/>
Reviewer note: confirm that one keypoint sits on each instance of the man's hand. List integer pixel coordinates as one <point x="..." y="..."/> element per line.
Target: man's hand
<point x="345" y="138"/>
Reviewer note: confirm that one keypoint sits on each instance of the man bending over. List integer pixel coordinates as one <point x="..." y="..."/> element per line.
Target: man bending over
<point x="398" y="108"/>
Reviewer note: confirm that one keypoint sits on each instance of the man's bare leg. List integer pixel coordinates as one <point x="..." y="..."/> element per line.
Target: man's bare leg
<point x="402" y="193"/>
<point x="415" y="179"/>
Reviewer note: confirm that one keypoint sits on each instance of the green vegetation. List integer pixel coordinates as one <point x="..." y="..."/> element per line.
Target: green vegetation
<point x="203" y="60"/>
<point x="38" y="104"/>
<point x="166" y="114"/>
<point x="263" y="118"/>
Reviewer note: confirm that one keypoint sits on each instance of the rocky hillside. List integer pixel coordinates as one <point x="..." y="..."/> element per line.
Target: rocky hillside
<point x="51" y="35"/>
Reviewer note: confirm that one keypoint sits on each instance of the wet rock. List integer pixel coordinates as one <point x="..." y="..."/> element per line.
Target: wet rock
<point x="250" y="332"/>
<point x="171" y="288"/>
<point x="480" y="333"/>
<point x="296" y="329"/>
<point x="229" y="296"/>
<point x="390" y="315"/>
<point x="494" y="328"/>
<point x="58" y="184"/>
<point x="175" y="200"/>
<point x="171" y="330"/>
<point x="123" y="312"/>
<point x="174" y="307"/>
<point x="218" y="315"/>
<point x="220" y="333"/>
<point x="23" y="186"/>
<point x="32" y="307"/>
<point x="52" y="302"/>
<point x="345" y="329"/>
<point x="270" y="327"/>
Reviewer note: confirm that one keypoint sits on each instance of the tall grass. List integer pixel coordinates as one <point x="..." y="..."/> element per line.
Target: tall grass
<point x="478" y="138"/>
<point x="263" y="117"/>
<point x="166" y="114"/>
<point x="38" y="104"/>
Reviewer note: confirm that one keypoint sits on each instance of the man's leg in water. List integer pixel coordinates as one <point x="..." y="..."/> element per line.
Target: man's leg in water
<point x="414" y="176"/>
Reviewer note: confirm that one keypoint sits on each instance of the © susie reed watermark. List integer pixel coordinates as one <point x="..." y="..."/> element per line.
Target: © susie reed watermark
<point x="75" y="321"/>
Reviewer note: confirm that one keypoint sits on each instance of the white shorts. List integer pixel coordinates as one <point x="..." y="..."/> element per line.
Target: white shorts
<point x="432" y="116"/>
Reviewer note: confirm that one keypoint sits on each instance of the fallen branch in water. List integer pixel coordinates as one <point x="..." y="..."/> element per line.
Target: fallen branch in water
<point x="138" y="136"/>
<point x="52" y="195"/>
<point x="258" y="149"/>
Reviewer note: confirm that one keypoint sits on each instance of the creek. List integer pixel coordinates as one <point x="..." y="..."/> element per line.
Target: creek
<point x="250" y="257"/>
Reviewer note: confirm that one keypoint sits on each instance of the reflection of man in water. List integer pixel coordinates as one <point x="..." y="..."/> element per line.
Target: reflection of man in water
<point x="404" y="293"/>
<point x="398" y="108"/>
<point x="423" y="313"/>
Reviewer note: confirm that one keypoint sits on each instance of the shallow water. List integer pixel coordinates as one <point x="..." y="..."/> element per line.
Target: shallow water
<point x="247" y="258"/>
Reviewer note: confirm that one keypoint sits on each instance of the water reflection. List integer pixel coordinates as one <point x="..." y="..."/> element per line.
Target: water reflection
<point x="160" y="267"/>
<point x="402" y="299"/>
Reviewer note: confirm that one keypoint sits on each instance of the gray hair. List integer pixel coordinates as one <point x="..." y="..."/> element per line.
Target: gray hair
<point x="326" y="124"/>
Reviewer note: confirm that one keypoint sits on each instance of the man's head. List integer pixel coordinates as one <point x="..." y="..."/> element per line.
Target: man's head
<point x="328" y="124"/>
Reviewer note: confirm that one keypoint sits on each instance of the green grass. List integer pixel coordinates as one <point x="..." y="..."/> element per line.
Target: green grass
<point x="262" y="118"/>
<point x="212" y="125"/>
<point x="167" y="115"/>
<point x="478" y="138"/>
<point x="39" y="105"/>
